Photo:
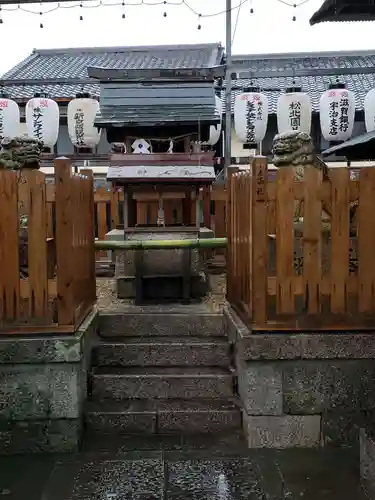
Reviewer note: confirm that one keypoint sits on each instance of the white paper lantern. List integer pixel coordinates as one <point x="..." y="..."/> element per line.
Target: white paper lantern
<point x="369" y="106"/>
<point x="294" y="111"/>
<point x="43" y="119"/>
<point x="9" y="117"/>
<point x="81" y="117"/>
<point x="337" y="111"/>
<point x="215" y="130"/>
<point x="251" y="116"/>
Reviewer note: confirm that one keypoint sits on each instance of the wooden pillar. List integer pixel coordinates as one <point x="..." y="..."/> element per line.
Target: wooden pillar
<point x="197" y="209"/>
<point x="132" y="209"/>
<point x="187" y="208"/>
<point x="187" y="144"/>
<point x="207" y="206"/>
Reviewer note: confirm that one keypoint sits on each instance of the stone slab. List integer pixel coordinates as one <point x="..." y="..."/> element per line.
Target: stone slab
<point x="319" y="386"/>
<point x="164" y="351"/>
<point x="140" y="478"/>
<point x="260" y="388"/>
<point x="40" y="436"/>
<point x="254" y="346"/>
<point x="48" y="348"/>
<point x="288" y="431"/>
<point x="161" y="383"/>
<point x="161" y="322"/>
<point x="367" y="462"/>
<point x="341" y="429"/>
<point x="41" y="391"/>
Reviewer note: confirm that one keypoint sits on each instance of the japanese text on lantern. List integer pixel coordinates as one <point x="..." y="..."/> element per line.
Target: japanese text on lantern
<point x="38" y="123"/>
<point x="344" y="113"/>
<point x="78" y="127"/>
<point x="250" y="122"/>
<point x="1" y="123"/>
<point x="295" y="115"/>
<point x="333" y="117"/>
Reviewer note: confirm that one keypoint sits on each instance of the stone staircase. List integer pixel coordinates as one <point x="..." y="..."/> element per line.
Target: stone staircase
<point x="160" y="373"/>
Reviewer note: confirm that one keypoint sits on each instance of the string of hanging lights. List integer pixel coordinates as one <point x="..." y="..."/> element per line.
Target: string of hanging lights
<point x="83" y="5"/>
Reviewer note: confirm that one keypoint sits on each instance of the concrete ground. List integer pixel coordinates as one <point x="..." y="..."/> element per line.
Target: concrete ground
<point x="174" y="468"/>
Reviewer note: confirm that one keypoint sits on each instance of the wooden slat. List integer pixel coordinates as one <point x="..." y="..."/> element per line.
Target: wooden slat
<point x="90" y="235"/>
<point x="114" y="199"/>
<point x="37" y="244"/>
<point x="102" y="219"/>
<point x="312" y="263"/>
<point x="9" y="247"/>
<point x="49" y="208"/>
<point x="366" y="241"/>
<point x="259" y="240"/>
<point x="339" y="239"/>
<point x="64" y="239"/>
<point x="285" y="240"/>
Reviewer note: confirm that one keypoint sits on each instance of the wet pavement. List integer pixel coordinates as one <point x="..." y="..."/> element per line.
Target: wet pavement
<point x="173" y="468"/>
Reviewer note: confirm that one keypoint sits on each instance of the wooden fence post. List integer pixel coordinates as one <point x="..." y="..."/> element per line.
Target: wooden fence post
<point x="259" y="241"/>
<point x="64" y="242"/>
<point x="229" y="202"/>
<point x="88" y="173"/>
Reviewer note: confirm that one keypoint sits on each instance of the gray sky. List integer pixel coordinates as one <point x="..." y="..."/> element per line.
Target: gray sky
<point x="269" y="29"/>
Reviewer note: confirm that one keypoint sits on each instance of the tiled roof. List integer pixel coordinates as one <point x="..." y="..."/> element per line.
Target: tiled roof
<point x="68" y="68"/>
<point x="71" y="64"/>
<point x="344" y="10"/>
<point x="335" y="66"/>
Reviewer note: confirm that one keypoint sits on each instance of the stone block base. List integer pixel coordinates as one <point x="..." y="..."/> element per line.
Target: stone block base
<point x="367" y="462"/>
<point x="304" y="389"/>
<point x="287" y="431"/>
<point x="162" y="288"/>
<point x="43" y="388"/>
<point x="40" y="436"/>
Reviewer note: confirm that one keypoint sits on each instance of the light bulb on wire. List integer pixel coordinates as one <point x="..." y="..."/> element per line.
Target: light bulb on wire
<point x="81" y="16"/>
<point x="199" y="27"/>
<point x="41" y="14"/>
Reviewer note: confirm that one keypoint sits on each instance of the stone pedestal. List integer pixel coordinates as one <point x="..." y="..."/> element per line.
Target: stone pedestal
<point x="164" y="266"/>
<point x="43" y="386"/>
<point x="304" y="389"/>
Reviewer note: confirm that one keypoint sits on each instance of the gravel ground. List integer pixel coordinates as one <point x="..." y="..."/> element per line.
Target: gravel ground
<point x="108" y="301"/>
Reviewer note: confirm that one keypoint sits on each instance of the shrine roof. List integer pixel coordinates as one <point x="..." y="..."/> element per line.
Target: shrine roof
<point x="344" y="10"/>
<point x="62" y="73"/>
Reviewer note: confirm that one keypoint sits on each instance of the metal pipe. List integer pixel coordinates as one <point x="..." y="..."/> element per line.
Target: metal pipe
<point x="160" y="244"/>
<point x="228" y="87"/>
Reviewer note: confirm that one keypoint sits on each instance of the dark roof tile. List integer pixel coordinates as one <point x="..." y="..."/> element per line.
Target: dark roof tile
<point x="71" y="64"/>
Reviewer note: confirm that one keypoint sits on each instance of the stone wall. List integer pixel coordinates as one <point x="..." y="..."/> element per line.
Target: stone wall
<point x="367" y="459"/>
<point x="43" y="387"/>
<point x="303" y="390"/>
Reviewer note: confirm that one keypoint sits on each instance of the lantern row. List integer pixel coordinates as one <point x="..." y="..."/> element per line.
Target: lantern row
<point x="43" y="119"/>
<point x="251" y="110"/>
<point x="294" y="111"/>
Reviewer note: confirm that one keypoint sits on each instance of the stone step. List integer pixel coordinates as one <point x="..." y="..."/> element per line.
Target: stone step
<point x="163" y="351"/>
<point x="199" y="446"/>
<point x="160" y="383"/>
<point x="156" y="323"/>
<point x="163" y="416"/>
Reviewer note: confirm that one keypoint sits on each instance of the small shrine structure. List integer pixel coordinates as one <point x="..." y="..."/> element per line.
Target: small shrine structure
<point x="159" y="124"/>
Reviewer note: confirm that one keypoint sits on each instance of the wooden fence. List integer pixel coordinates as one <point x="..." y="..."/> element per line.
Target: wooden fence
<point x="301" y="254"/>
<point x="47" y="281"/>
<point x="108" y="210"/>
